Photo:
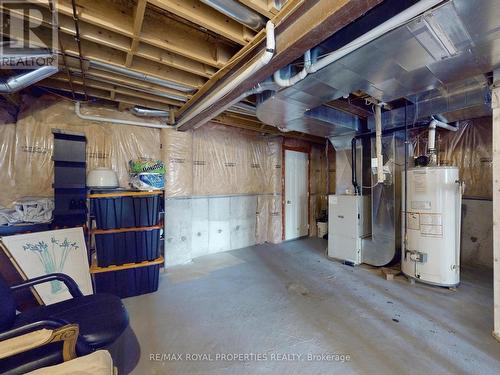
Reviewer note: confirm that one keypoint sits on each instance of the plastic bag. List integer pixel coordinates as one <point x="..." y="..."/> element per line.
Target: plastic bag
<point x="148" y="181"/>
<point x="146" y="166"/>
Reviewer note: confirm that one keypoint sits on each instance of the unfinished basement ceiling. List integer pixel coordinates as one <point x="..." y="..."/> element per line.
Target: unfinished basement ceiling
<point x="178" y="45"/>
<point x="439" y="59"/>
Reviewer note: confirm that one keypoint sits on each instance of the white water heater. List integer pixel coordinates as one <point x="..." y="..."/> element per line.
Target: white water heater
<point x="431" y="251"/>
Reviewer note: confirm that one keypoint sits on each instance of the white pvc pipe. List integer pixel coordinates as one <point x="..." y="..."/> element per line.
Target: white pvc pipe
<point x="256" y="66"/>
<point x="117" y="121"/>
<point x="432" y="132"/>
<point x="431" y="144"/>
<point x="432" y="137"/>
<point x="296" y="78"/>
<point x="444" y="125"/>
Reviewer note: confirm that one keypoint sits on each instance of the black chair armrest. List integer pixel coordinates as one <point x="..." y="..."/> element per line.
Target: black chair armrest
<point x="22" y="330"/>
<point x="67" y="280"/>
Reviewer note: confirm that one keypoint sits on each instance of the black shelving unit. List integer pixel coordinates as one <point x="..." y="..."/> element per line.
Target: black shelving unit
<point x="128" y="243"/>
<point x="70" y="169"/>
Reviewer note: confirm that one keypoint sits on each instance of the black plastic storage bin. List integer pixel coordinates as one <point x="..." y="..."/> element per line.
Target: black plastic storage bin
<point x="127" y="211"/>
<point x="128" y="282"/>
<point x="127" y="247"/>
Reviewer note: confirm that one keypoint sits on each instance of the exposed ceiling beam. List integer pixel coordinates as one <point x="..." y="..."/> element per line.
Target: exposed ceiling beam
<point x="138" y="19"/>
<point x="311" y="24"/>
<point x="183" y="40"/>
<point x="98" y="52"/>
<point x="120" y="80"/>
<point x="245" y="54"/>
<point x="104" y="94"/>
<point x="205" y="16"/>
<point x="161" y="31"/>
<point x="123" y="43"/>
<point x="106" y="14"/>
<point x="114" y="88"/>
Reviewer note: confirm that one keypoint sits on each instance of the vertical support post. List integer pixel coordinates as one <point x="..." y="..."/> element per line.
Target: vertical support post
<point x="495" y="94"/>
<point x="327" y="156"/>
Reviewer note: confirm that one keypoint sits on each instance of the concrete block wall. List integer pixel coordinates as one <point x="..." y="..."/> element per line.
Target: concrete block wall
<point x="477" y="232"/>
<point x="199" y="226"/>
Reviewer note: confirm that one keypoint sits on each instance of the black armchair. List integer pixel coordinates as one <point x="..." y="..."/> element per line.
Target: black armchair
<point x="99" y="320"/>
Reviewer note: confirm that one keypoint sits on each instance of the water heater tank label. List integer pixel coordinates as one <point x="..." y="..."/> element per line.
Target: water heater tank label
<point x="431" y="230"/>
<point x="421" y="205"/>
<point x="431" y="219"/>
<point x="420" y="182"/>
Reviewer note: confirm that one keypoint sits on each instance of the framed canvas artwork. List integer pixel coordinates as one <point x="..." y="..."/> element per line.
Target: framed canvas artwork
<point x="57" y="251"/>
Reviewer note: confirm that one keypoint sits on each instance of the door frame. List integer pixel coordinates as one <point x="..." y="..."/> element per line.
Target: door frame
<point x="305" y="150"/>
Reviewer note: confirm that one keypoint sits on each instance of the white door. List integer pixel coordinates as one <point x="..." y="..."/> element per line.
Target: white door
<point x="296" y="194"/>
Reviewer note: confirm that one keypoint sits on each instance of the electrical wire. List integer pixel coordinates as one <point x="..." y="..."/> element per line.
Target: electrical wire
<point x="64" y="97"/>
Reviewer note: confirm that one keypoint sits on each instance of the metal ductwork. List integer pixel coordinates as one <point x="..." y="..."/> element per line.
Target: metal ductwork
<point x="242" y="108"/>
<point x="436" y="71"/>
<point x="238" y="12"/>
<point x="385" y="241"/>
<point x="462" y="101"/>
<point x="172" y="96"/>
<point x="146" y="112"/>
<point x="20" y="82"/>
<point x="140" y="76"/>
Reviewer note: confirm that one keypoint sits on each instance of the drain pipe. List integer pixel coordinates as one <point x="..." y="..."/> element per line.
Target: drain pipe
<point x="264" y="59"/>
<point x="117" y="121"/>
<point x="17" y="83"/>
<point x="296" y="78"/>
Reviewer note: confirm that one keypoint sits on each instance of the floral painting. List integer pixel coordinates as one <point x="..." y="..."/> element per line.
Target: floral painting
<point x="59" y="251"/>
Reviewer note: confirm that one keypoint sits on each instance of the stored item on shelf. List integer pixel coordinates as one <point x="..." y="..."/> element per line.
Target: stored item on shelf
<point x="102" y="178"/>
<point x="148" y="181"/>
<point x="119" y="248"/>
<point x="128" y="282"/>
<point x="126" y="211"/>
<point x="146" y="166"/>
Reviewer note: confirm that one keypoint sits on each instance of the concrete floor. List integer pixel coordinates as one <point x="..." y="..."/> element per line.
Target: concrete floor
<point x="274" y="300"/>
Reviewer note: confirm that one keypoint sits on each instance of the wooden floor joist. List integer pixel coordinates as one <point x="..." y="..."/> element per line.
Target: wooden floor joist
<point x="183" y="42"/>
